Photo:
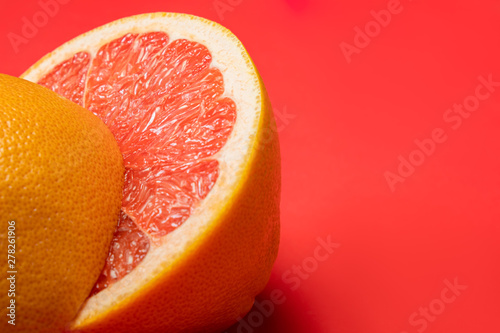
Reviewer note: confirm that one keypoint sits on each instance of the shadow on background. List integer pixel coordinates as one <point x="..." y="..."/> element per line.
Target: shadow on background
<point x="290" y="312"/>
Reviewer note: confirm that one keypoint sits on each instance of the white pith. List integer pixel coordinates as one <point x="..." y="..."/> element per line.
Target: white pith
<point x="241" y="84"/>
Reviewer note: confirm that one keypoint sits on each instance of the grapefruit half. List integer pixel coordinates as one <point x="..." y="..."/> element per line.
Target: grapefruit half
<point x="199" y="225"/>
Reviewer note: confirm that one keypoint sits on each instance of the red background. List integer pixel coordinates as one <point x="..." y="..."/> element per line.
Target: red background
<point x="342" y="126"/>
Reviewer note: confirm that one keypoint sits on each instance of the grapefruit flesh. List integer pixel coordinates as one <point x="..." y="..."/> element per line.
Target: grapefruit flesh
<point x="162" y="100"/>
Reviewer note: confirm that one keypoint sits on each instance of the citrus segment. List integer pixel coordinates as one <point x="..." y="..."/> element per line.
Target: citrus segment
<point x="161" y="198"/>
<point x="128" y="248"/>
<point x="68" y="78"/>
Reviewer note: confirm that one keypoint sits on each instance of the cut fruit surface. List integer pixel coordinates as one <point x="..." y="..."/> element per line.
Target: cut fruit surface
<point x="200" y="150"/>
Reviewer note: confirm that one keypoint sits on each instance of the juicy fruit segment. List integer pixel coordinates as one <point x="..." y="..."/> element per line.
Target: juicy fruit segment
<point x="68" y="78"/>
<point x="129" y="246"/>
<point x="163" y="102"/>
